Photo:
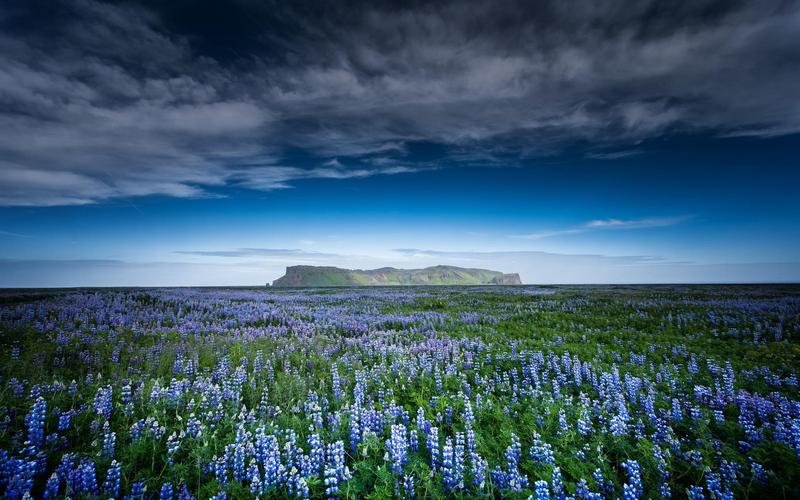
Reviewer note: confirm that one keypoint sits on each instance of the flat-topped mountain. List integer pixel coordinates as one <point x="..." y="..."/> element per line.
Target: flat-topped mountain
<point x="436" y="275"/>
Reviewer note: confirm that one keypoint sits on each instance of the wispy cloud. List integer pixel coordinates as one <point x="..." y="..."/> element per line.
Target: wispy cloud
<point x="257" y="252"/>
<point x="608" y="224"/>
<point x="614" y="155"/>
<point x="523" y="254"/>
<point x="13" y="234"/>
<point x="272" y="177"/>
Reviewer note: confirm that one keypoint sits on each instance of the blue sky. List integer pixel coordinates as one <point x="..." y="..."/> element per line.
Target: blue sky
<point x="145" y="147"/>
<point x="730" y="217"/>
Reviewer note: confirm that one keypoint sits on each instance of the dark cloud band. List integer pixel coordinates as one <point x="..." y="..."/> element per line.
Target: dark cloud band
<point x="101" y="100"/>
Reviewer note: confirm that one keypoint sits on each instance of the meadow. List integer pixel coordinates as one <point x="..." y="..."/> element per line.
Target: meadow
<point x="513" y="392"/>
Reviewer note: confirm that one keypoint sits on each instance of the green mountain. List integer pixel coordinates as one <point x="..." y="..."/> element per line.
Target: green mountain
<point x="436" y="275"/>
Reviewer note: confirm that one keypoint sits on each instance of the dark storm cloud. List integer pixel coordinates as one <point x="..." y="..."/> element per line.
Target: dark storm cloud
<point x="105" y="100"/>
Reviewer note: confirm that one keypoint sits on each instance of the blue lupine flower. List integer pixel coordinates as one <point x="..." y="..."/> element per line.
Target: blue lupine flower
<point x="408" y="486"/>
<point x="478" y="470"/>
<point x="166" y="492"/>
<point x="433" y="447"/>
<point x="103" y="403"/>
<point x="633" y="488"/>
<point x="542" y="490"/>
<point x="450" y="476"/>
<point x="316" y="453"/>
<point x="52" y="486"/>
<point x="759" y="474"/>
<point x="87" y="478"/>
<point x="137" y="491"/>
<point x="695" y="493"/>
<point x="109" y="442"/>
<point x="184" y="493"/>
<point x="557" y="484"/>
<point x="35" y="421"/>
<point x="111" y="484"/>
<point x="397" y="447"/>
<point x="541" y="452"/>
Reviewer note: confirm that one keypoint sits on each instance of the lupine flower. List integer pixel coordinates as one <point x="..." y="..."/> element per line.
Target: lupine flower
<point x="103" y="402"/>
<point x="557" y="484"/>
<point x="35" y="421"/>
<point x="695" y="493"/>
<point x="433" y="447"/>
<point x="317" y="453"/>
<point x="52" y="486"/>
<point x="111" y="484"/>
<point x="408" y="486"/>
<point x="541" y="452"/>
<point x="633" y="488"/>
<point x="542" y="490"/>
<point x="109" y="442"/>
<point x="166" y="492"/>
<point x="137" y="491"/>
<point x="450" y="476"/>
<point x="397" y="448"/>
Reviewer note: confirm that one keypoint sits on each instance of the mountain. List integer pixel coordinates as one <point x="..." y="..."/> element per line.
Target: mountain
<point x="436" y="275"/>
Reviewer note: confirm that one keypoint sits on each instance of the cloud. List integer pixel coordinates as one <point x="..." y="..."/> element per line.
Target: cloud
<point x="108" y="100"/>
<point x="536" y="267"/>
<point x="533" y="267"/>
<point x="272" y="177"/>
<point x="257" y="252"/>
<point x="614" y="155"/>
<point x="606" y="224"/>
<point x="13" y="234"/>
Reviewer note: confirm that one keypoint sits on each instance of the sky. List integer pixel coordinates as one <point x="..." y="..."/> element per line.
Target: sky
<point x="150" y="143"/>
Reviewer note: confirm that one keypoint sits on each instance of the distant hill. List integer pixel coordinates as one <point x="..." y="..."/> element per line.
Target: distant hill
<point x="436" y="275"/>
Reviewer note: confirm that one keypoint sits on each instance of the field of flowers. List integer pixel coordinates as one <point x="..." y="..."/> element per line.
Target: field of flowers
<point x="603" y="392"/>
